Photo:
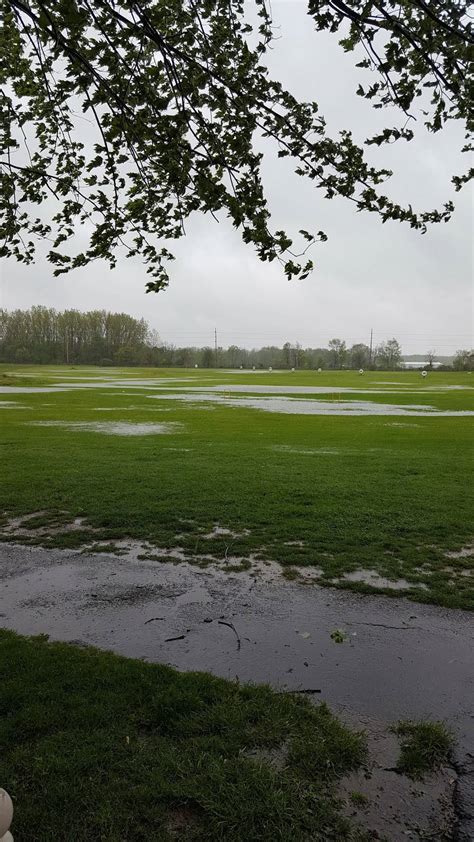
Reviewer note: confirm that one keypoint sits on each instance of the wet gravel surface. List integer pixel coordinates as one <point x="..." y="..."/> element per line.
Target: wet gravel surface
<point x="399" y="659"/>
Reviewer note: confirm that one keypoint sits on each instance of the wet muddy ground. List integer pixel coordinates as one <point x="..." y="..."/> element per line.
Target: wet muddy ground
<point x="399" y="660"/>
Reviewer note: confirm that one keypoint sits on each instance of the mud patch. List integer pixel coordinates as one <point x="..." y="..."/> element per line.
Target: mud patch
<point x="255" y="568"/>
<point x="44" y="523"/>
<point x="115" y="428"/>
<point x="391" y="805"/>
<point x="182" y="820"/>
<point x="134" y="595"/>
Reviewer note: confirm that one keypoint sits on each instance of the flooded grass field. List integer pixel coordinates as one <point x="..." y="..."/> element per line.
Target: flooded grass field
<point x="188" y="518"/>
<point x="319" y="473"/>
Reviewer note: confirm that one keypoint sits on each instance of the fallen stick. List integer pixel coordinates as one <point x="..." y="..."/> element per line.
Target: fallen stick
<point x="152" y="620"/>
<point x="231" y="626"/>
<point x="308" y="691"/>
<point x="383" y="626"/>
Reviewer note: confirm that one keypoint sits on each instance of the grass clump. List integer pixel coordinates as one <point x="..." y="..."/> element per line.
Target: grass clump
<point x="358" y="799"/>
<point x="290" y="573"/>
<point x="241" y="567"/>
<point x="425" y="747"/>
<point x="338" y="636"/>
<point x="97" y="746"/>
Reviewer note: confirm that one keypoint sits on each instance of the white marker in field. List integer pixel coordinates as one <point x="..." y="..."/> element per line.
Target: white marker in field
<point x="253" y="368"/>
<point x="319" y="370"/>
<point x="6" y="816"/>
<point x="196" y="365"/>
<point x="270" y="368"/>
<point x="361" y="370"/>
<point x="424" y="373"/>
<point x="292" y="369"/>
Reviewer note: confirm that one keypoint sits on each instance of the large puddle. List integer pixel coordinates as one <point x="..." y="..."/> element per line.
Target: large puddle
<point x="116" y="383"/>
<point x="315" y="390"/>
<point x="293" y="406"/>
<point x="398" y="660"/>
<point x="114" y="428"/>
<point x="287" y="390"/>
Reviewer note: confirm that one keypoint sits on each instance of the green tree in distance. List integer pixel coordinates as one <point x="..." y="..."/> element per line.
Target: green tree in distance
<point x="388" y="355"/>
<point x="464" y="360"/>
<point x="337" y="352"/>
<point x="122" y="118"/>
<point x="360" y="355"/>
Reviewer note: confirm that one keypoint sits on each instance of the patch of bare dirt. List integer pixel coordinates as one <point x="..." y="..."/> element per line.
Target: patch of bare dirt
<point x="45" y="523"/>
<point x="390" y="804"/>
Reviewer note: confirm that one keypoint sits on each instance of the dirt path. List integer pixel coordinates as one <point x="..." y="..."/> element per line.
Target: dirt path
<point x="399" y="659"/>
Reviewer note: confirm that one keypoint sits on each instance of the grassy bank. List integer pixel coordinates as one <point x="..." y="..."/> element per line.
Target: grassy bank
<point x="95" y="746"/>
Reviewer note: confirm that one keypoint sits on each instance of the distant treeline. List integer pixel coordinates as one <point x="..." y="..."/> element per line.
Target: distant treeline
<point x="44" y="335"/>
<point x="97" y="337"/>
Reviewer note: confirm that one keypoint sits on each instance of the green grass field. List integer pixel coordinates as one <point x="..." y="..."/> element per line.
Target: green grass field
<point x="380" y="501"/>
<point x="98" y="747"/>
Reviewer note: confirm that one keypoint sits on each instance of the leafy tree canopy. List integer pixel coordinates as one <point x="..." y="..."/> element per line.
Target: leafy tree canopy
<point x="389" y="354"/>
<point x="127" y="116"/>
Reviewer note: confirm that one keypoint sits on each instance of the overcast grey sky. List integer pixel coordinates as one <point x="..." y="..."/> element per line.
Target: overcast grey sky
<point x="417" y="288"/>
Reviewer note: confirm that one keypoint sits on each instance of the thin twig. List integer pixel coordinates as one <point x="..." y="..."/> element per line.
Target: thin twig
<point x="383" y="626"/>
<point x="306" y="690"/>
<point x="231" y="626"/>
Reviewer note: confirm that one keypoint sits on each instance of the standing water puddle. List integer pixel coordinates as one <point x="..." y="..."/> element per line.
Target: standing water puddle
<point x="399" y="660"/>
<point x="114" y="428"/>
<point x="371" y="577"/>
<point x="293" y="406"/>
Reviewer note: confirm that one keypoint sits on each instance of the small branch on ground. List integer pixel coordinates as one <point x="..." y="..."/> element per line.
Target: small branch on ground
<point x="231" y="626"/>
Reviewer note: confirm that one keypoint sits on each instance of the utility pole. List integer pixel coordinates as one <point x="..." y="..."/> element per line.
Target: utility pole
<point x="370" y="350"/>
<point x="215" y="345"/>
